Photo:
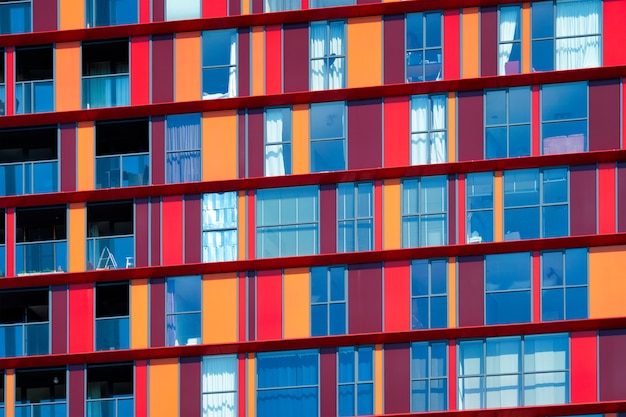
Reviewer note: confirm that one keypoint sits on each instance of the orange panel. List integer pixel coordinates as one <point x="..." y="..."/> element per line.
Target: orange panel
<point x="9" y="404"/>
<point x="251" y="385"/>
<point x="498" y="207"/>
<point x="451" y="127"/>
<point x="163" y="395"/>
<point x="300" y="120"/>
<point x="188" y="66"/>
<point x="68" y="68"/>
<point x="71" y="16"/>
<point x="365" y="51"/>
<point x="219" y="131"/>
<point x="258" y="60"/>
<point x="86" y="154"/>
<point x="139" y="312"/>
<point x="391" y="220"/>
<point x="451" y="292"/>
<point x="219" y="308"/>
<point x="77" y="238"/>
<point x="296" y="292"/>
<point x="606" y="282"/>
<point x="526" y="38"/>
<point x="470" y="42"/>
<point x="241" y="224"/>
<point x="378" y="379"/>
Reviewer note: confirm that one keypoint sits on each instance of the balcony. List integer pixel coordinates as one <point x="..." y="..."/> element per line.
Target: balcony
<point x="41" y="392"/>
<point x="24" y="339"/>
<point x="34" y="97"/>
<point x="122" y="171"/>
<point x="105" y="91"/>
<point x="41" y="258"/>
<point x="105" y="74"/>
<point x="55" y="409"/>
<point x="110" y="390"/>
<point x="112" y="333"/>
<point x="29" y="178"/>
<point x="41" y="241"/>
<point x="114" y="407"/>
<point x="110" y="235"/>
<point x="15" y="17"/>
<point x="24" y="322"/>
<point x="111" y="252"/>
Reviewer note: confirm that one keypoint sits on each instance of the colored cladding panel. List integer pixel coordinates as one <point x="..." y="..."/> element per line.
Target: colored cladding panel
<point x="397" y="287"/>
<point x="10" y="79"/>
<point x="243" y="66"/>
<point x="140" y="70"/>
<point x="215" y="8"/>
<point x="157" y="312"/>
<point x="86" y="155"/>
<point x="606" y="283"/>
<point x="164" y="375"/>
<point x="257" y="6"/>
<point x="245" y="7"/>
<point x="163" y="68"/>
<point x="251" y="305"/>
<point x="378" y="215"/>
<point x="242" y="298"/>
<point x="59" y="319"/>
<point x="234" y="7"/>
<point x="256" y="153"/>
<point x="611" y="365"/>
<point x="365" y="51"/>
<point x="328" y="218"/>
<point x="10" y="241"/>
<point x="155" y="227"/>
<point x="367" y="1"/>
<point x="81" y="317"/>
<point x="190" y="390"/>
<point x="452" y="42"/>
<point x="489" y="41"/>
<point x="158" y="10"/>
<point x="76" y="406"/>
<point x="584" y="360"/>
<point x="219" y="308"/>
<point x="471" y="282"/>
<point x="71" y="16"/>
<point x="396" y="131"/>
<point x="451" y="374"/>
<point x="621" y="197"/>
<point x="469" y="42"/>
<point x="77" y="237"/>
<point x="188" y="66"/>
<point x="296" y="47"/>
<point x="251" y="388"/>
<point x="258" y="60"/>
<point x="365" y="298"/>
<point x="139" y="307"/>
<point x="397" y="378"/>
<point x="606" y="197"/>
<point x="274" y="59"/>
<point x="328" y="382"/>
<point x="604" y="115"/>
<point x="365" y="131"/>
<point x="269" y="305"/>
<point x="172" y="227"/>
<point x="68" y="157"/>
<point x="301" y="150"/>
<point x="536" y="286"/>
<point x="470" y="119"/>
<point x="9" y="403"/>
<point x="141" y="388"/>
<point x="193" y="227"/>
<point x="394" y="61"/>
<point x="158" y="150"/>
<point x="251" y="225"/>
<point x="614" y="36"/>
<point x="241" y="143"/>
<point x="67" y="75"/>
<point x="44" y="15"/>
<point x="144" y="11"/>
<point x="296" y="301"/>
<point x="451" y="208"/>
<point x="142" y="232"/>
<point x="582" y="200"/>
<point x="451" y="127"/>
<point x="219" y="131"/>
<point x="535" y="140"/>
<point x="451" y="292"/>
<point x="460" y="211"/>
<point x="378" y="379"/>
<point x="526" y="38"/>
<point x="241" y="224"/>
<point x="391" y="208"/>
<point x="498" y="207"/>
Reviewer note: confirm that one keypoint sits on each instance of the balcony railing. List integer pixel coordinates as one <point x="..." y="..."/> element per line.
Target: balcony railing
<point x="24" y="339"/>
<point x="41" y="257"/>
<point x="42" y="409"/>
<point x="111" y="252"/>
<point x="2" y="100"/>
<point x="113" y="407"/>
<point x="111" y="12"/>
<point x="2" y="258"/>
<point x="29" y="178"/>
<point x="112" y="333"/>
<point x="34" y="97"/>
<point x="122" y="170"/>
<point x="105" y="91"/>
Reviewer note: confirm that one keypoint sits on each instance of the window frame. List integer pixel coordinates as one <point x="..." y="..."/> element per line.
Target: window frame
<point x="507" y="291"/>
<point x="209" y="229"/>
<point x="355" y="219"/>
<point x="514" y="41"/>
<point x="329" y="301"/>
<point x="356" y="382"/>
<point x="120" y="318"/>
<point x="507" y="124"/>
<point x="328" y="56"/>
<point x="407" y="216"/>
<point x="183" y="151"/>
<point x="430" y="295"/>
<point x="343" y="139"/>
<point x="282" y="143"/>
<point x="564" y="286"/>
<point x="430" y="132"/>
<point x="209" y="68"/>
<point x="429" y="378"/>
<point x="424" y="49"/>
<point x="188" y="313"/>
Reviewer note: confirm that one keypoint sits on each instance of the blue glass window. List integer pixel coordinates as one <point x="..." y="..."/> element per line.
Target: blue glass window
<point x="219" y="63"/>
<point x="429" y="376"/>
<point x="355" y="381"/>
<point x="2" y="87"/>
<point x="328" y="136"/>
<point x="15" y="16"/>
<point x="2" y="244"/>
<point x="34" y="84"/>
<point x="564" y="118"/>
<point x="24" y="322"/>
<point x="219" y="226"/>
<point x="219" y="386"/>
<point x="329" y="292"/>
<point x="507" y="122"/>
<point x="110" y="390"/>
<point x="479" y="207"/>
<point x="564" y="280"/>
<point x="282" y="5"/>
<point x="329" y="3"/>
<point x="424" y="46"/>
<point x="508" y="280"/>
<point x="328" y="55"/>
<point x="41" y="240"/>
<point x="35" y="395"/>
<point x="183" y="310"/>
<point x="111" y="12"/>
<point x="183" y="144"/>
<point x="112" y="316"/>
<point x="110" y="235"/>
<point x="429" y="129"/>
<point x="355" y="216"/>
<point x="429" y="294"/>
<point x="278" y="158"/>
<point x="509" y="40"/>
<point x="106" y="74"/>
<point x="425" y="211"/>
<point x="183" y="9"/>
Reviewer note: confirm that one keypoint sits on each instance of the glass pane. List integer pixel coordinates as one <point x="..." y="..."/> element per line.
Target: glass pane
<point x="11" y="341"/>
<point x="419" y="313"/>
<point x="108" y="172"/>
<point x="345" y="201"/>
<point x="438" y="366"/>
<point x="346" y="400"/>
<point x="519" y="141"/>
<point x="184" y="294"/>
<point x="183" y="132"/>
<point x="480" y="226"/>
<point x="43" y="97"/>
<point x="576" y="266"/>
<point x="521" y="188"/>
<point x="365" y="235"/>
<point x="502" y="391"/>
<point x="419" y="360"/>
<point x="217" y="46"/>
<point x="45" y="175"/>
<point x="438" y="312"/>
<point x="11" y="180"/>
<point x="101" y="408"/>
<point x="546" y="352"/>
<point x="471" y="393"/>
<point x="439" y="276"/>
<point x="216" y="82"/>
<point x="419" y="278"/>
<point x="419" y="396"/>
<point x="182" y="9"/>
<point x="546" y="388"/>
<point x="542" y="19"/>
<point x="36" y="342"/>
<point x="319" y="282"/>
<point x="433" y="230"/>
<point x="564" y="101"/>
<point x="521" y="223"/>
<point x="471" y="358"/>
<point x="346" y="364"/>
<point x="319" y="320"/>
<point x="552" y="266"/>
<point x="496" y="142"/>
<point x="414" y="31"/>
<point x="495" y="107"/>
<point x="15" y="17"/>
<point x="433" y="195"/>
<point x="183" y="329"/>
<point x="112" y="334"/>
<point x="543" y="54"/>
<point x="479" y="190"/>
<point x="365" y="364"/>
<point x="125" y="408"/>
<point x="365" y="399"/>
<point x="114" y="12"/>
<point x="499" y="309"/>
<point x="503" y="356"/>
<point x="135" y="170"/>
<point x="508" y="271"/>
<point x="519" y="104"/>
<point x="415" y="66"/>
<point x="337" y="284"/>
<point x="337" y="318"/>
<point x="328" y="156"/>
<point x="555" y="221"/>
<point x="105" y="91"/>
<point x="552" y="307"/>
<point x="287" y="368"/>
<point x="438" y="395"/>
<point x="365" y="196"/>
<point x="555" y="185"/>
<point x="327" y="120"/>
<point x="432" y="65"/>
<point x="301" y="402"/>
<point x="576" y="302"/>
<point x="433" y="30"/>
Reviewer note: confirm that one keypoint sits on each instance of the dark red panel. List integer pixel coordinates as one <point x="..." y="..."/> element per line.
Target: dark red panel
<point x="489" y="41"/>
<point x="471" y="282"/>
<point x="142" y="232"/>
<point x="59" y="319"/>
<point x="451" y="209"/>
<point x="257" y="6"/>
<point x="604" y="115"/>
<point x="582" y="200"/>
<point x="76" y="398"/>
<point x="612" y="365"/>
<point x="158" y="150"/>
<point x="190" y="378"/>
<point x="296" y="49"/>
<point x="193" y="229"/>
<point x="256" y="153"/>
<point x="68" y="157"/>
<point x="365" y="298"/>
<point x="157" y="312"/>
<point x="328" y="382"/>
<point x="9" y="79"/>
<point x="44" y="15"/>
<point x="328" y="218"/>
<point x="155" y="231"/>
<point x="393" y="50"/>
<point x="234" y="7"/>
<point x="470" y="129"/>
<point x="158" y="10"/>
<point x="162" y="68"/>
<point x="365" y="132"/>
<point x="397" y="378"/>
<point x="621" y="197"/>
<point x="243" y="66"/>
<point x="241" y="143"/>
<point x="269" y="299"/>
<point x="251" y="305"/>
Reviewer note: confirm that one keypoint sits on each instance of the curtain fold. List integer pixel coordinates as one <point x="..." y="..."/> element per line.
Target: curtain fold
<point x="335" y="62"/>
<point x="232" y="72"/>
<point x="428" y="127"/>
<point x="577" y="32"/>
<point x="219" y="225"/>
<point x="183" y="155"/>
<point x="274" y="157"/>
<point x="318" y="42"/>
<point x="279" y="5"/>
<point x="219" y="376"/>
<point x="509" y="18"/>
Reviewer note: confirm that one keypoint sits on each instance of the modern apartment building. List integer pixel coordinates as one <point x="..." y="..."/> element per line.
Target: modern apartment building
<point x="312" y="208"/>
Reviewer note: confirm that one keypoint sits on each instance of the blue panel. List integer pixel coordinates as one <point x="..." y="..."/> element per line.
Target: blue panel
<point x="499" y="309"/>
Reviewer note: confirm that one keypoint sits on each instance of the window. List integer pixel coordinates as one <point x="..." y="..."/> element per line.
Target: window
<point x="328" y="55"/>
<point x="122" y="153"/>
<point x="15" y="16"/>
<point x="536" y="203"/>
<point x="2" y="395"/>
<point x="110" y="235"/>
<point x="219" y="227"/>
<point x="507" y="284"/>
<point x="566" y="34"/>
<point x="280" y="5"/>
<point x="110" y="390"/>
<point x="112" y="316"/>
<point x="219" y="63"/>
<point x="429" y="376"/>
<point x="24" y="322"/>
<point x="479" y="207"/>
<point x="564" y="118"/>
<point x="507" y="122"/>
<point x="288" y="383"/>
<point x="183" y="311"/>
<point x="329" y="3"/>
<point x="355" y="216"/>
<point x="277" y="141"/>
<point x="513" y="371"/>
<point x="183" y="144"/>
<point x="328" y="301"/>
<point x="219" y="386"/>
<point x="29" y="161"/>
<point x="105" y="74"/>
<point x="355" y="381"/>
<point x="429" y="294"/>
<point x="41" y="392"/>
<point x="424" y="211"/>
<point x="2" y="87"/>
<point x="424" y="47"/>
<point x="328" y="136"/>
<point x="428" y="129"/>
<point x="34" y="84"/>
<point x="509" y="40"/>
<point x="564" y="280"/>
<point x="183" y="9"/>
<point x="111" y="12"/>
<point x="40" y="240"/>
<point x="2" y="245"/>
<point x="287" y="222"/>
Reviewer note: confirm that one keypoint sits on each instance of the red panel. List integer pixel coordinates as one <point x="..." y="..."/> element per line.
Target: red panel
<point x="397" y="289"/>
<point x="584" y="360"/>
<point x="172" y="229"/>
<point x="59" y="319"/>
<point x="81" y="317"/>
<point x="76" y="401"/>
<point x="364" y="298"/>
<point x="451" y="210"/>
<point x="214" y="8"/>
<point x="452" y="42"/>
<point x="461" y="219"/>
<point x="606" y="197"/>
<point x="10" y="241"/>
<point x="378" y="215"/>
<point x="488" y="41"/>
<point x="582" y="200"/>
<point x="241" y="383"/>
<point x="305" y="4"/>
<point x="241" y="282"/>
<point x="273" y="59"/>
<point x="142" y="232"/>
<point x="364" y="134"/>
<point x="604" y="111"/>
<point x="251" y="206"/>
<point x="190" y="377"/>
<point x="256" y="153"/>
<point x="162" y="67"/>
<point x="614" y="36"/>
<point x="193" y="228"/>
<point x="243" y="66"/>
<point x="470" y="129"/>
<point x="140" y="70"/>
<point x="393" y="50"/>
<point x="328" y="382"/>
<point x="536" y="262"/>
<point x="623" y="142"/>
<point x="471" y="298"/>
<point x="397" y="378"/>
<point x="155" y="231"/>
<point x="328" y="218"/>
<point x="141" y="388"/>
<point x="158" y="150"/>
<point x="451" y="374"/>
<point x="44" y="15"/>
<point x="68" y="157"/>
<point x="612" y="366"/>
<point x="535" y="141"/>
<point x="396" y="131"/>
<point x="296" y="47"/>
<point x="269" y="305"/>
<point x="144" y="11"/>
<point x="9" y="74"/>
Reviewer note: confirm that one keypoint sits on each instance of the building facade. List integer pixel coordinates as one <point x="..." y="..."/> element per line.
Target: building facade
<point x="315" y="208"/>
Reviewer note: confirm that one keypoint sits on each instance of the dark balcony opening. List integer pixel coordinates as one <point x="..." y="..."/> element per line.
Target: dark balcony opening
<point x="101" y="58"/>
<point x="110" y="381"/>
<point x="110" y="219"/>
<point x="41" y="224"/>
<point x="112" y="300"/>
<point x="40" y="386"/>
<point x="2" y="227"/>
<point x="34" y="63"/>
<point x="122" y="137"/>
<point x="33" y="144"/>
<point x="25" y="306"/>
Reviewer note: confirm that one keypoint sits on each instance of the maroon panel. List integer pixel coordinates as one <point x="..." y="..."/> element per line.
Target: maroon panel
<point x="328" y="382"/>
<point x="489" y="41"/>
<point x="621" y="197"/>
<point x="612" y="365"/>
<point x="162" y="68"/>
<point x="158" y="150"/>
<point x="452" y="209"/>
<point x="234" y="7"/>
<point x="296" y="48"/>
<point x="59" y="319"/>
<point x="251" y="305"/>
<point x="76" y="398"/>
<point x="365" y="298"/>
<point x="367" y="1"/>
<point x="328" y="218"/>
<point x="243" y="67"/>
<point x="193" y="229"/>
<point x="604" y="115"/>
<point x="155" y="231"/>
<point x="44" y="15"/>
<point x="397" y="378"/>
<point x="582" y="205"/>
<point x="158" y="10"/>
<point x="365" y="132"/>
<point x="257" y="6"/>
<point x="256" y="155"/>
<point x="470" y="129"/>
<point x="190" y="377"/>
<point x="68" y="157"/>
<point x="241" y="143"/>
<point x="394" y="61"/>
<point x="471" y="282"/>
<point x="157" y="312"/>
<point x="142" y="232"/>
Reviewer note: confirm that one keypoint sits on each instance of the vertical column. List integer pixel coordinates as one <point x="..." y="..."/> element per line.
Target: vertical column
<point x="296" y="301"/>
<point x="59" y="319"/>
<point x="220" y="308"/>
<point x="396" y="131"/>
<point x="584" y="362"/>
<point x="251" y="225"/>
<point x="452" y="42"/>
<point x="614" y="38"/>
<point x="68" y="157"/>
<point x="10" y="241"/>
<point x="172" y="227"/>
<point x="141" y="388"/>
<point x="364" y="298"/>
<point x="526" y="38"/>
<point x="471" y="281"/>
<point x="139" y="305"/>
<point x="452" y="127"/>
<point x="301" y="151"/>
<point x="536" y="287"/>
<point x="86" y="155"/>
<point x="251" y="278"/>
<point x="9" y="403"/>
<point x="251" y="385"/>
<point x="157" y="312"/>
<point x="328" y="218"/>
<point x="365" y="50"/>
<point x="461" y="216"/>
<point x="241" y="143"/>
<point x="469" y="41"/>
<point x="269" y="305"/>
<point x="164" y="375"/>
<point x="365" y="126"/>
<point x="498" y="207"/>
<point x="243" y="65"/>
<point x="470" y="131"/>
<point x="68" y="69"/>
<point x="378" y="215"/>
<point x="488" y="41"/>
<point x="242" y="305"/>
<point x="241" y="385"/>
<point x="451" y="292"/>
<point x="452" y="375"/>
<point x="76" y="406"/>
<point x="394" y="61"/>
<point x="155" y="231"/>
<point x="192" y="228"/>
<point x="296" y="47"/>
<point x="215" y="8"/>
<point x="607" y="202"/>
<point x="142" y="232"/>
<point x="256" y="154"/>
<point x="452" y="209"/>
<point x="219" y="131"/>
<point x="144" y="11"/>
<point x="190" y="389"/>
<point x="140" y="70"/>
<point x="9" y="73"/>
<point x="604" y="115"/>
<point x="536" y="122"/>
<point x="610" y="368"/>
<point x="242" y="242"/>
<point x="328" y="382"/>
<point x="158" y="10"/>
<point x="606" y="282"/>
<point x="378" y="379"/>
<point x="274" y="59"/>
<point x="77" y="237"/>
<point x="397" y="300"/>
<point x="392" y="222"/>
<point x="158" y="150"/>
<point x="397" y="378"/>
<point x="258" y="59"/>
<point x="188" y="66"/>
<point x="583" y="200"/>
<point x="162" y="66"/>
<point x="81" y="318"/>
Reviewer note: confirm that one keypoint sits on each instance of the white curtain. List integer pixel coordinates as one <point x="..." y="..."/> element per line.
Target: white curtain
<point x="318" y="41"/>
<point x="470" y="367"/>
<point x="183" y="156"/>
<point x="232" y="73"/>
<point x="546" y="355"/>
<point x="274" y="158"/>
<point x="279" y="5"/>
<point x="509" y="18"/>
<point x="578" y="23"/>
<point x="428" y="127"/>
<point x="335" y="64"/>
<point x="182" y="9"/>
<point x="438" y="148"/>
<point x="502" y="369"/>
<point x="219" y="376"/>
<point x="219" y="226"/>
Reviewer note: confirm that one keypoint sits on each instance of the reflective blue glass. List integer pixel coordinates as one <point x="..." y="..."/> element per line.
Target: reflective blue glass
<point x="104" y="408"/>
<point x="112" y="333"/>
<point x="576" y="302"/>
<point x="555" y="185"/>
<point x="301" y="402"/>
<point x="564" y="101"/>
<point x="125" y="407"/>
<point x="287" y="369"/>
<point x="521" y="223"/>
<point x="495" y="107"/>
<point x="111" y="12"/>
<point x="419" y="395"/>
<point x="319" y="320"/>
<point x="543" y="53"/>
<point x="419" y="360"/>
<point x="519" y="140"/>
<point x="555" y="221"/>
<point x="543" y="19"/>
<point x="40" y="257"/>
<point x="496" y="142"/>
<point x="329" y="3"/>
<point x="576" y="266"/>
<point x="108" y="172"/>
<point x="433" y="30"/>
<point x="439" y="276"/>
<point x="327" y="120"/>
<point x="105" y="91"/>
<point x="419" y="313"/>
<point x="15" y="17"/>
<point x="216" y="81"/>
<point x="414" y="31"/>
<point x="365" y="398"/>
<point x="319" y="282"/>
<point x="419" y="278"/>
<point x="328" y="155"/>
<point x="519" y="104"/>
<point x="438" y="312"/>
<point x="184" y="294"/>
<point x="337" y="284"/>
<point x="552" y="266"/>
<point x="337" y="318"/>
<point x="122" y="249"/>
<point x="11" y="341"/>
<point x="46" y="177"/>
<point x="438" y="354"/>
<point x="365" y="363"/>
<point x="346" y="400"/>
<point x="508" y="271"/>
<point x="136" y="170"/>
<point x="36" y="339"/>
<point x="216" y="47"/>
<point x="479" y="191"/>
<point x="499" y="311"/>
<point x="43" y="97"/>
<point x="346" y="364"/>
<point x="183" y="329"/>
<point x="2" y="260"/>
<point x="480" y="225"/>
<point x="11" y="180"/>
<point x="521" y="188"/>
<point x="438" y="395"/>
<point x="552" y="307"/>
